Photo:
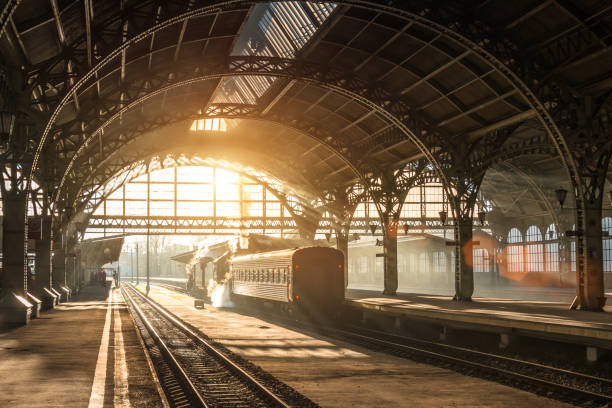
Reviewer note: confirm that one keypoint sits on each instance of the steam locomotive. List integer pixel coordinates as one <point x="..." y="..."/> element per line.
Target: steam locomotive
<point x="307" y="279"/>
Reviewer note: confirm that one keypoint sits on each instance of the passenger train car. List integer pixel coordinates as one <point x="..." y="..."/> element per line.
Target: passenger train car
<point x="304" y="279"/>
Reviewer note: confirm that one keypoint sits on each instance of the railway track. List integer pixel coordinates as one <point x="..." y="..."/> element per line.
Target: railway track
<point x="192" y="372"/>
<point x="543" y="379"/>
<point x="553" y="382"/>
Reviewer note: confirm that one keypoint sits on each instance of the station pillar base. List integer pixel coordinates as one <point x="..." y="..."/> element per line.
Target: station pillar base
<point x="36" y="305"/>
<point x="15" y="309"/>
<point x="64" y="293"/>
<point x="58" y="295"/>
<point x="49" y="299"/>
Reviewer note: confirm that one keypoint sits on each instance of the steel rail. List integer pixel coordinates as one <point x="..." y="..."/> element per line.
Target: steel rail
<point x="267" y="394"/>
<point x="169" y="357"/>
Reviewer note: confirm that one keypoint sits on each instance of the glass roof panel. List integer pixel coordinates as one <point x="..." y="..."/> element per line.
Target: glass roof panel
<point x="276" y="29"/>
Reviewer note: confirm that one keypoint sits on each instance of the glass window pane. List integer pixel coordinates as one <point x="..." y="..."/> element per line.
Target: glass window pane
<point x="195" y="174"/>
<point x="271" y="197"/>
<point x="192" y="209"/>
<point x="135" y="207"/>
<point x="253" y="209"/>
<point x="228" y="209"/>
<point x="161" y="208"/>
<point x="252" y="192"/>
<point x="228" y="191"/>
<point x="137" y="191"/>
<point x="225" y="177"/>
<point x="114" y="207"/>
<point x="273" y="210"/>
<point x="117" y="194"/>
<point x="195" y="192"/>
<point x="411" y="210"/>
<point x="163" y="175"/>
<point x="99" y="210"/>
<point x="162" y="191"/>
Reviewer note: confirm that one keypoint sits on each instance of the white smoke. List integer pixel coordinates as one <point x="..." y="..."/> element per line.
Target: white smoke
<point x="219" y="293"/>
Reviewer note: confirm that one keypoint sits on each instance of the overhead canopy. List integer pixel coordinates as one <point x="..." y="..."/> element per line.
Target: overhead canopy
<point x="95" y="253"/>
<point x="319" y="94"/>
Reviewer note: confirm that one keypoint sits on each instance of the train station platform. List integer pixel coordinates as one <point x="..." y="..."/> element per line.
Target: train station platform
<point x="550" y="320"/>
<point x="333" y="373"/>
<point x="83" y="353"/>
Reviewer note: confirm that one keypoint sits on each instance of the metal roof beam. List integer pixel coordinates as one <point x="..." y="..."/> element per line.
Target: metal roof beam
<point x="525" y="16"/>
<point x="521" y="117"/>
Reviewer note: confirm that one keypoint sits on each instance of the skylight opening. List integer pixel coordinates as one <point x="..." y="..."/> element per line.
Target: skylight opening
<point x="209" y="125"/>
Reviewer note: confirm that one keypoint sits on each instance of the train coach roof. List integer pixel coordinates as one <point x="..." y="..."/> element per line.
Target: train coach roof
<point x="275" y="254"/>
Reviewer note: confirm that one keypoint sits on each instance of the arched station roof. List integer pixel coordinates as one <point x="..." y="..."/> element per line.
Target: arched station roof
<point x="335" y="92"/>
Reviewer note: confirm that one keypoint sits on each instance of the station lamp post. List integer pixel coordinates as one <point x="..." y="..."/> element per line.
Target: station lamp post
<point x="148" y="288"/>
<point x="132" y="264"/>
<point x="137" y="264"/>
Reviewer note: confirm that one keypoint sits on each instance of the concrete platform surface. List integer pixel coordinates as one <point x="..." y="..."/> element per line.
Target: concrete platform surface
<point x="84" y="353"/>
<point x="544" y="317"/>
<point x="337" y="374"/>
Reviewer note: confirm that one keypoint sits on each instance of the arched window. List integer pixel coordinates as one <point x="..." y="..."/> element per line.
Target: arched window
<point x="481" y="260"/>
<point x="551" y="249"/>
<point x="606" y="226"/>
<point x="535" y="252"/>
<point x="515" y="252"/>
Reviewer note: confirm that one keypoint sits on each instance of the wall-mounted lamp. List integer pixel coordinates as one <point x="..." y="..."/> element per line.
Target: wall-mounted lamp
<point x="443" y="215"/>
<point x="373" y="228"/>
<point x="7" y="123"/>
<point x="481" y="217"/>
<point x="561" y="193"/>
